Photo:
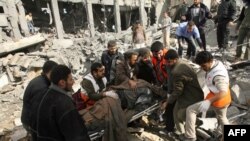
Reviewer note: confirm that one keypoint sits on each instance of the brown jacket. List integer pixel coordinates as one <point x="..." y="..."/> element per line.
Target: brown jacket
<point x="186" y="88"/>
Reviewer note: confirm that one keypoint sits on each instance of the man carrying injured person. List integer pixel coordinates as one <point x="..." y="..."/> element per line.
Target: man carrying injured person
<point x="186" y="89"/>
<point x="219" y="98"/>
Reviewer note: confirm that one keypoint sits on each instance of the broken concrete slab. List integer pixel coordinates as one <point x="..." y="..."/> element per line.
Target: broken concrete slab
<point x="8" y="47"/>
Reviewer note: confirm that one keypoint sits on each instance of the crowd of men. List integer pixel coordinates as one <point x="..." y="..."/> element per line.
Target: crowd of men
<point x="110" y="91"/>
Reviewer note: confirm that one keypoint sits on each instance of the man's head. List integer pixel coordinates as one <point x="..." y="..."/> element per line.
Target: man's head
<point x="97" y="70"/>
<point x="157" y="50"/>
<point x="171" y="57"/>
<point x="131" y="58"/>
<point x="145" y="55"/>
<point x="184" y="1"/>
<point x="165" y="14"/>
<point x="112" y="47"/>
<point x="61" y="76"/>
<point x="197" y="2"/>
<point x="205" y="60"/>
<point x="190" y="26"/>
<point x="47" y="68"/>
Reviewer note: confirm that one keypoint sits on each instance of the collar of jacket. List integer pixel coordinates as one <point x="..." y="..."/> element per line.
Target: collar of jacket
<point x="56" y="88"/>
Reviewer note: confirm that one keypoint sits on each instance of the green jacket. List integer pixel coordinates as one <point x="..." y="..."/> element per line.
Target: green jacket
<point x="186" y="88"/>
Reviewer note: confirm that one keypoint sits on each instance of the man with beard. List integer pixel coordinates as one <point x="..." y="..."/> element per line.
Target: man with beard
<point x="199" y="13"/>
<point x="105" y="112"/>
<point x="32" y="97"/>
<point x="186" y="88"/>
<point x="110" y="58"/>
<point x="58" y="118"/>
<point x="127" y="70"/>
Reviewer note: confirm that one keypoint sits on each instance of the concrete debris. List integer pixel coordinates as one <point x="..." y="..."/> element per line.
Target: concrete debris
<point x="3" y="80"/>
<point x="150" y="137"/>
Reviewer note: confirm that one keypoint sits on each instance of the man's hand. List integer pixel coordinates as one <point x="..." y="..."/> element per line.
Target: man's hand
<point x="231" y="23"/>
<point x="111" y="94"/>
<point x="204" y="106"/>
<point x="132" y="84"/>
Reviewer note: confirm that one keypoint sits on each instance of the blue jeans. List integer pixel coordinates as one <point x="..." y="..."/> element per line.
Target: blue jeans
<point x="31" y="27"/>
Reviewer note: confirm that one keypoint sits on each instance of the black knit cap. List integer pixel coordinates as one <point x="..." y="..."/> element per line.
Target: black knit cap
<point x="171" y="54"/>
<point x="156" y="46"/>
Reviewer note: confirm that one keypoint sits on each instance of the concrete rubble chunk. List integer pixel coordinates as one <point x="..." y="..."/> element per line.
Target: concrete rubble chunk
<point x="62" y="43"/>
<point x="17" y="122"/>
<point x="10" y="75"/>
<point x="14" y="60"/>
<point x="38" y="63"/>
<point x="25" y="64"/>
<point x="3" y="80"/>
<point x="150" y="137"/>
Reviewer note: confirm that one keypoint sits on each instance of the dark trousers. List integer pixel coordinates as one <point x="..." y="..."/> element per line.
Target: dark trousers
<point x="203" y="37"/>
<point x="222" y="34"/>
<point x="243" y="34"/>
<point x="169" y="115"/>
<point x="191" y="50"/>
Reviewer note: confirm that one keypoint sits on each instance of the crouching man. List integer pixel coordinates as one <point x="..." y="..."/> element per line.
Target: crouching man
<point x="219" y="98"/>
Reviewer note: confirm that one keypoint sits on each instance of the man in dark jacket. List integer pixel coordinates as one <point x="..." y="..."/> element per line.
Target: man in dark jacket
<point x="243" y="26"/>
<point x="146" y="68"/>
<point x="199" y="13"/>
<point x="58" y="118"/>
<point x="32" y="97"/>
<point x="186" y="88"/>
<point x="225" y="16"/>
<point x="110" y="58"/>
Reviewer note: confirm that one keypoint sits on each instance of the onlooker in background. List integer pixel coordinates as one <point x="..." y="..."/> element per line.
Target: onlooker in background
<point x="225" y="16"/>
<point x="32" y="97"/>
<point x="199" y="13"/>
<point x="181" y="12"/>
<point x="166" y="24"/>
<point x="139" y="36"/>
<point x="186" y="89"/>
<point x="30" y="23"/>
<point x="243" y="26"/>
<point x="189" y="32"/>
<point x="110" y="58"/>
<point x="57" y="117"/>
<point x="219" y="98"/>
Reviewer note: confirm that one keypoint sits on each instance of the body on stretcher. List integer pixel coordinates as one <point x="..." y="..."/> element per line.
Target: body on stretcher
<point x="95" y="135"/>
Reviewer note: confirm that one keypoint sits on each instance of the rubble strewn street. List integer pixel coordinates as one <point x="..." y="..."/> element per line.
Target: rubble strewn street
<point x="22" y="60"/>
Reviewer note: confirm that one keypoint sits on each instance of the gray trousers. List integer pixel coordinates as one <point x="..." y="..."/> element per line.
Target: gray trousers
<point x="191" y="115"/>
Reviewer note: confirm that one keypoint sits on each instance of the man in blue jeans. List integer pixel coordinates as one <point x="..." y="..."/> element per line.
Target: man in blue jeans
<point x="190" y="33"/>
